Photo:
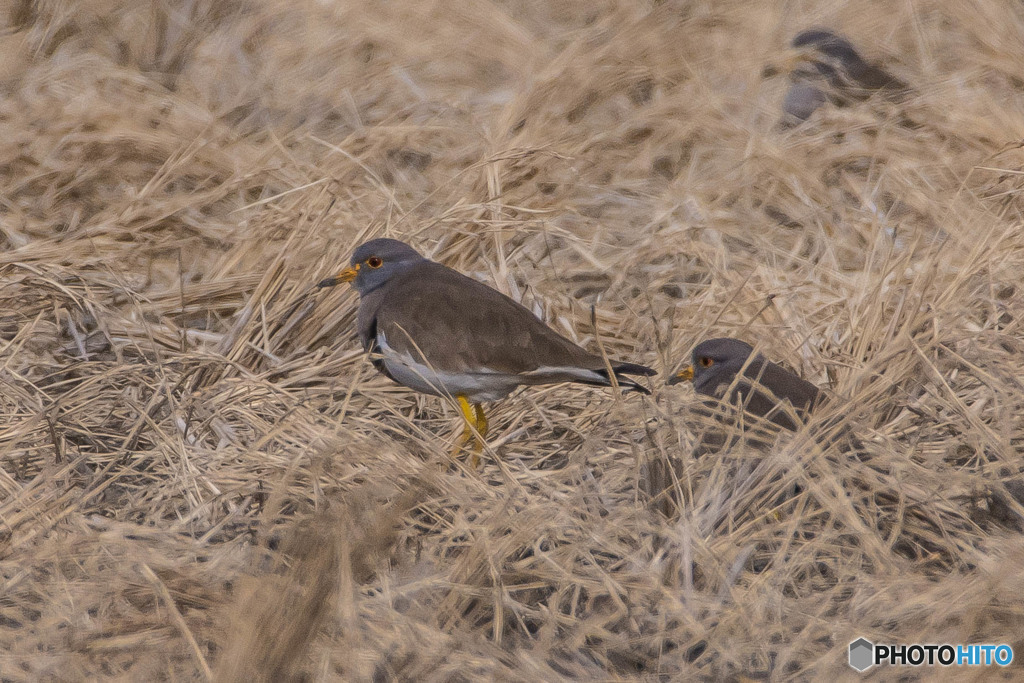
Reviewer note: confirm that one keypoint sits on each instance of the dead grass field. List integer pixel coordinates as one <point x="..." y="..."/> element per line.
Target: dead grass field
<point x="204" y="479"/>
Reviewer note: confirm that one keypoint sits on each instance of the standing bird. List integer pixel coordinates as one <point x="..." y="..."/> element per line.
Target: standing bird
<point x="829" y="69"/>
<point x="764" y="389"/>
<point x="439" y="332"/>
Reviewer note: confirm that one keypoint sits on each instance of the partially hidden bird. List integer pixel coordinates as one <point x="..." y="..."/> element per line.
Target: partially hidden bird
<point x="829" y="69"/>
<point x="764" y="388"/>
<point x="727" y="370"/>
<point x="436" y="331"/>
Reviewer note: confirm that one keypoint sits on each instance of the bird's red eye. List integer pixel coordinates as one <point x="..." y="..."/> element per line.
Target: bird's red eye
<point x="374" y="262"/>
<point x="706" y="362"/>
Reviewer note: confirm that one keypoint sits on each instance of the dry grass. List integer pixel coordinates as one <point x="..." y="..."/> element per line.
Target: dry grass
<point x="202" y="477"/>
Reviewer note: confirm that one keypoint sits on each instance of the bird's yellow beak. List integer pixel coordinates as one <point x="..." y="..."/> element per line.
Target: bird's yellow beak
<point x="799" y="57"/>
<point x="684" y="375"/>
<point x="347" y="275"/>
<point x="788" y="62"/>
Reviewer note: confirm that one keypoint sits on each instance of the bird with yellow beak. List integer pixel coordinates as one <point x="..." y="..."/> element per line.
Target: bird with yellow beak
<point x="439" y="332"/>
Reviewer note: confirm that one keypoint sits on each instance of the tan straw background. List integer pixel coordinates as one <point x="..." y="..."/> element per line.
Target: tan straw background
<point x="203" y="478"/>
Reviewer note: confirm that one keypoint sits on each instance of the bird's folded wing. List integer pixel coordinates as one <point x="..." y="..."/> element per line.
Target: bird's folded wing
<point x="454" y="323"/>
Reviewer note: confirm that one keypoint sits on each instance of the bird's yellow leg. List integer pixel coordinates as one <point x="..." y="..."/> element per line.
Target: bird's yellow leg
<point x="481" y="420"/>
<point x="469" y="419"/>
<point x="475" y="428"/>
<point x="481" y="430"/>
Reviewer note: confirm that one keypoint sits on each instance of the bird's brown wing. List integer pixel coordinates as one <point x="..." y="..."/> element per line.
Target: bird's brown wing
<point x="771" y="387"/>
<point x="874" y="78"/>
<point x="456" y="324"/>
<point x="786" y="385"/>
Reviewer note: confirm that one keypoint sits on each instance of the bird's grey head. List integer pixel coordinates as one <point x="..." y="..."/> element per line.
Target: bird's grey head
<point x="375" y="262"/>
<point x="829" y="51"/>
<point x="718" y="361"/>
<point x="714" y="361"/>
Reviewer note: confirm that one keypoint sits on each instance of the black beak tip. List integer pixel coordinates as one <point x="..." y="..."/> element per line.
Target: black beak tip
<point x="327" y="282"/>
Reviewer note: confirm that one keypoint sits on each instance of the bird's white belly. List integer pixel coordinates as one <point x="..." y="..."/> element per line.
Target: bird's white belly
<point x="477" y="386"/>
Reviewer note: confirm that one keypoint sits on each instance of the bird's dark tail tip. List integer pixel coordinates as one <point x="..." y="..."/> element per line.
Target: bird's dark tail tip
<point x="633" y="369"/>
<point x="630" y="385"/>
<point x="627" y="384"/>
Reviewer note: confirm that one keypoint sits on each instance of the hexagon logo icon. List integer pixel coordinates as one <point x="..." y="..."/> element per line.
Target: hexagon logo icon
<point x="861" y="654"/>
